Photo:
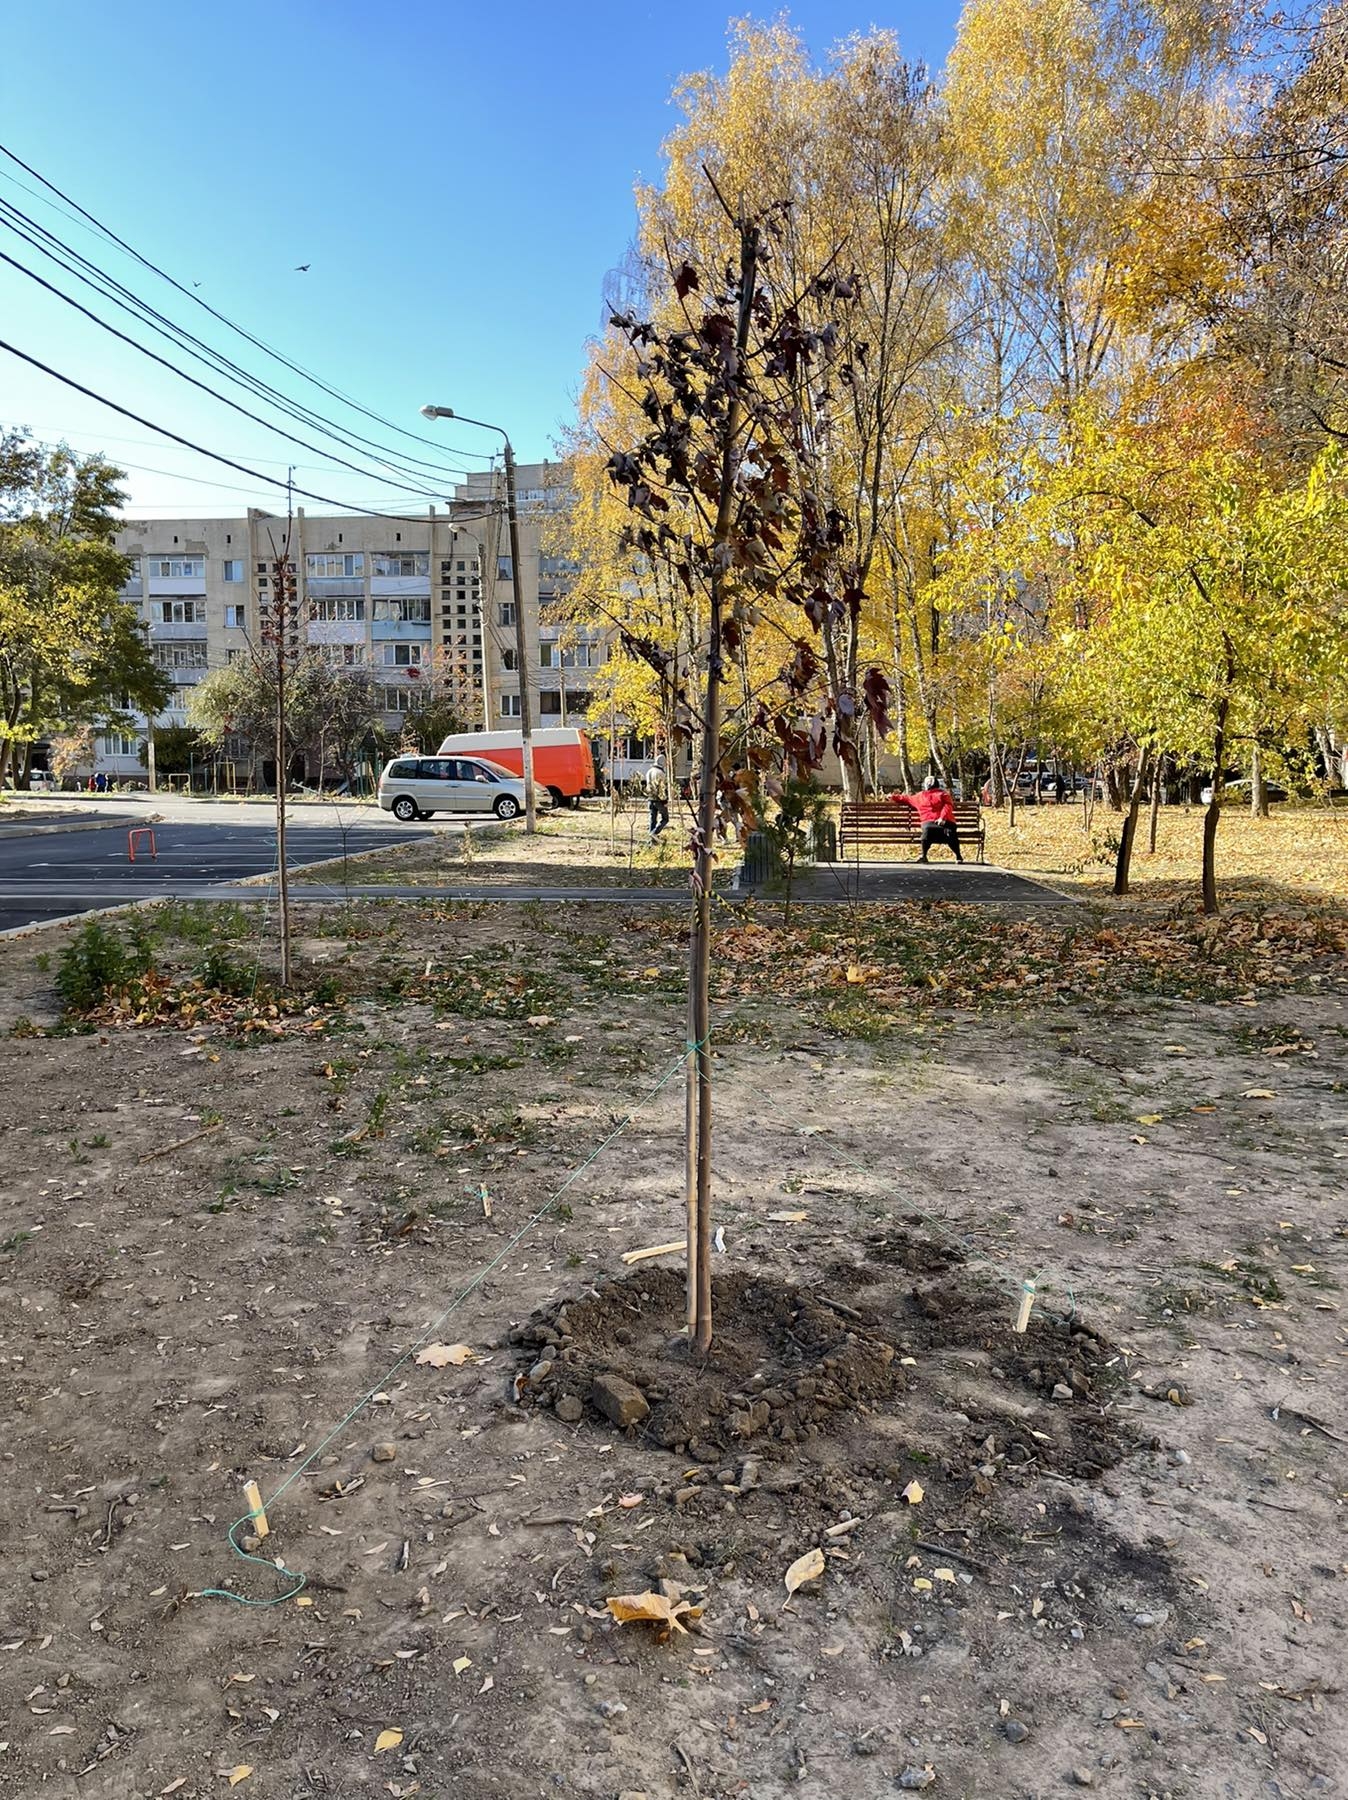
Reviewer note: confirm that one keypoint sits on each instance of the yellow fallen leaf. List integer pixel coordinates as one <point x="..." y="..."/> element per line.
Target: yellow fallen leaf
<point x="539" y="1019"/>
<point x="1178" y="1049"/>
<point x="1258" y="1094"/>
<point x="805" y="1568"/>
<point x="922" y="1585"/>
<point x="855" y="974"/>
<point x="1150" y="1118"/>
<point x="914" y="1493"/>
<point x="656" y="1609"/>
<point x="788" y="1218"/>
<point x="304" y="1600"/>
<point x="461" y="1663"/>
<point x="943" y="1574"/>
<point x="436" y="1356"/>
<point x="240" y="1772"/>
<point x="388" y="1740"/>
<point x="650" y="974"/>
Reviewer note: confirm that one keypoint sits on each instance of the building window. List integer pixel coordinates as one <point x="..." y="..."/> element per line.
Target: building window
<point x="180" y="656"/>
<point x="233" y="569"/>
<point x="329" y="566"/>
<point x="510" y="659"/>
<point x="406" y="609"/>
<point x="235" y="618"/>
<point x="397" y="699"/>
<point x="505" y="612"/>
<point x="340" y="656"/>
<point x="177" y="568"/>
<point x="233" y="656"/>
<point x="510" y="706"/>
<point x="116" y="743"/>
<point x="549" y="703"/>
<point x="182" y="612"/>
<point x="403" y="562"/>
<point x="337" y="612"/>
<point x="404" y="656"/>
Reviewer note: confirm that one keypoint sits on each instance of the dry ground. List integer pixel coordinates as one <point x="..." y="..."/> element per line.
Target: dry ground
<point x="224" y="1228"/>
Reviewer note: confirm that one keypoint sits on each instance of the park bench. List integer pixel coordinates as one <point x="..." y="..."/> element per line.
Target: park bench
<point x="895" y="822"/>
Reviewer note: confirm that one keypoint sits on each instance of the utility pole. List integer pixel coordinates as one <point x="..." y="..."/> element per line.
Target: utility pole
<point x="521" y="646"/>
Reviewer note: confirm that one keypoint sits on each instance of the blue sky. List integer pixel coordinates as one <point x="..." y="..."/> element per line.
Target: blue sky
<point x="459" y="179"/>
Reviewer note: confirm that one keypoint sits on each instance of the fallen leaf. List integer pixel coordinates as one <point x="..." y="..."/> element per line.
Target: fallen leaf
<point x="805" y="1568"/>
<point x="628" y="1501"/>
<point x="240" y="1772"/>
<point x="922" y="1585"/>
<point x="1258" y="1094"/>
<point x="1150" y="1118"/>
<point x="943" y="1574"/>
<point x="388" y="1740"/>
<point x="172" y="1788"/>
<point x="461" y="1663"/>
<point x="913" y="1493"/>
<point x="759" y="1706"/>
<point x="855" y="975"/>
<point x="655" y="1609"/>
<point x="436" y="1356"/>
<point x="488" y="1683"/>
<point x="539" y="1019"/>
<point x="1254" y="1732"/>
<point x="832" y="1649"/>
<point x="1177" y="1049"/>
<point x="788" y="1218"/>
<point x="1036" y="1607"/>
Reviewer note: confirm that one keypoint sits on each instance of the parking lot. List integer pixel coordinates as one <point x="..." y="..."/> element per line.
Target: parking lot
<point x="54" y="873"/>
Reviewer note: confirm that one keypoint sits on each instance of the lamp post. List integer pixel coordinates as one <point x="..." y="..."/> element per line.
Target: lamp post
<point x="521" y="655"/>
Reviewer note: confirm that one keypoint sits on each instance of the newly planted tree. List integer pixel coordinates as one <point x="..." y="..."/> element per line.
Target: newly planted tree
<point x="735" y="378"/>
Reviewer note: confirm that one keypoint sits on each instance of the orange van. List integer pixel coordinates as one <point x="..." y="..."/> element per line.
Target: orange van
<point x="563" y="760"/>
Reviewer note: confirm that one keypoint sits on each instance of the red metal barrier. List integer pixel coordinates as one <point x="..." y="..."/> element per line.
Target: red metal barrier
<point x="141" y="831"/>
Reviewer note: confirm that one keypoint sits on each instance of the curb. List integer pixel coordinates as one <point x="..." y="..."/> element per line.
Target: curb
<point x="8" y="834"/>
<point x="80" y="918"/>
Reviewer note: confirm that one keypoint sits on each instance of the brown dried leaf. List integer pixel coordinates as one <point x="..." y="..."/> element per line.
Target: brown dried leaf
<point x="805" y="1568"/>
<point x="655" y="1609"/>
<point x="436" y="1356"/>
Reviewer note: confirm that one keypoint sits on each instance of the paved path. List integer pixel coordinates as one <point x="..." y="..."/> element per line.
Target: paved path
<point x="901" y="884"/>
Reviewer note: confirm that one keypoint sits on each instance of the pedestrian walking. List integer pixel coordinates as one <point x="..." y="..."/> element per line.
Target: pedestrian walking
<point x="657" y="795"/>
<point x="935" y="808"/>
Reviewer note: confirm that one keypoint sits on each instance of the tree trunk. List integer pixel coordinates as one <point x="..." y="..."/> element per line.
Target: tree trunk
<point x="901" y="709"/>
<point x="1113" y="790"/>
<point x="1155" y="810"/>
<point x="1212" y="817"/>
<point x="1123" y="861"/>
<point x="699" y="1106"/>
<point x="1258" y="786"/>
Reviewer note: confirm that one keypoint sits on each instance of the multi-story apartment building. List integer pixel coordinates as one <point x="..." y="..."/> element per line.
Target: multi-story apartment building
<point x="395" y="595"/>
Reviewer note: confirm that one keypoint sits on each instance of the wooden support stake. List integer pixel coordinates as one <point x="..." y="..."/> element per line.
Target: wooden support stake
<point x="252" y="1493"/>
<point x="1026" y="1302"/>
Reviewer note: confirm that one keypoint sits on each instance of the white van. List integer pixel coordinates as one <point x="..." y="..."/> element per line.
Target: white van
<point x="418" y="787"/>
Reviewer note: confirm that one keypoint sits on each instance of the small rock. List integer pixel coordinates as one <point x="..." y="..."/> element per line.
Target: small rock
<point x="632" y="1794"/>
<point x="1158" y="1617"/>
<point x="610" y="1709"/>
<point x="1180" y="1458"/>
<point x="619" y="1401"/>
<point x="41" y="1575"/>
<point x="250" y="1543"/>
<point x="1015" y="1732"/>
<point x="569" y="1410"/>
<point x="1061" y="1391"/>
<point x="383" y="1452"/>
<point x="684" y="1495"/>
<point x="914" y="1777"/>
<point x="1083" y="1777"/>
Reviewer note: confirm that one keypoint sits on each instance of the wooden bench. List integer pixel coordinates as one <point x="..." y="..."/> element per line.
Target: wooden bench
<point x="895" y="822"/>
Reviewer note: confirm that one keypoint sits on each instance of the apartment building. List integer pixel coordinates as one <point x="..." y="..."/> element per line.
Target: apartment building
<point x="395" y="595"/>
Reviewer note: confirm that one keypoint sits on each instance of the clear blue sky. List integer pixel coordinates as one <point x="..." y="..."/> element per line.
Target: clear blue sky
<point x="459" y="179"/>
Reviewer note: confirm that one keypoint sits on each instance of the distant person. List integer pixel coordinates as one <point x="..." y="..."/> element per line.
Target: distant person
<point x="100" y="783"/>
<point x="657" y="794"/>
<point x="935" y="808"/>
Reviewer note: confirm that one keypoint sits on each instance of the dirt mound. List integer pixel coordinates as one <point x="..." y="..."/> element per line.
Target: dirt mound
<point x="939" y="1365"/>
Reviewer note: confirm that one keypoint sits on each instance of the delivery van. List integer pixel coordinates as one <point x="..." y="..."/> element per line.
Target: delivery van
<point x="563" y="760"/>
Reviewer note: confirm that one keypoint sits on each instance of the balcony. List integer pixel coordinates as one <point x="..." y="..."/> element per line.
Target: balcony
<point x="177" y="632"/>
<point x="336" y="631"/>
<point x="172" y="586"/>
<point x="417" y="586"/>
<point x="403" y="631"/>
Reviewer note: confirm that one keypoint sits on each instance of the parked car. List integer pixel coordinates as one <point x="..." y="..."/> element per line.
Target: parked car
<point x="563" y="760"/>
<point x="1238" y="792"/>
<point x="418" y="787"/>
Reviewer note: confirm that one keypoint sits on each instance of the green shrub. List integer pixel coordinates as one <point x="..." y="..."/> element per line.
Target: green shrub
<point x="100" y="963"/>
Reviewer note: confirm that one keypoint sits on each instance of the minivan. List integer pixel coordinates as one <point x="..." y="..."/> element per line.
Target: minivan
<point x="563" y="759"/>
<point x="418" y="787"/>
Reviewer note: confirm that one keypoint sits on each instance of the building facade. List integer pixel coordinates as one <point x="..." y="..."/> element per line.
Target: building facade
<point x="407" y="598"/>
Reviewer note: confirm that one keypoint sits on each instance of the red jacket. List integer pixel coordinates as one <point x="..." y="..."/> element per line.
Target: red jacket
<point x="932" y="805"/>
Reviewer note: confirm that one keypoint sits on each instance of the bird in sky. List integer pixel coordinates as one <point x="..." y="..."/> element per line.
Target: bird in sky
<point x="301" y="268"/>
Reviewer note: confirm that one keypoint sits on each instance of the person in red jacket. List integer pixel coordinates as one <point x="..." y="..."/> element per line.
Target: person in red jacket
<point x="936" y="810"/>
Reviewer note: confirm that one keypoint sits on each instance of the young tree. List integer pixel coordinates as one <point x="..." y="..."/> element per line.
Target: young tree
<point x="730" y="377"/>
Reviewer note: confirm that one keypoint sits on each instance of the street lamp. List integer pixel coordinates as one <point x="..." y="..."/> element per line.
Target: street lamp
<point x="521" y="655"/>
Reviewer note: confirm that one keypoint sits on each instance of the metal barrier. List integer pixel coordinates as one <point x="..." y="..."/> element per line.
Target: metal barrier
<point x="140" y="831"/>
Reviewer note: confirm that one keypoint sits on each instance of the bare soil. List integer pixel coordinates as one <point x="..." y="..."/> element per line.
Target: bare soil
<point x="225" y="1232"/>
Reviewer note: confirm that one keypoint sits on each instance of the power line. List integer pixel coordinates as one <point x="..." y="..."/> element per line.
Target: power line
<point x="205" y="388"/>
<point x="258" y="343"/>
<point x="188" y="444"/>
<point x="71" y="262"/>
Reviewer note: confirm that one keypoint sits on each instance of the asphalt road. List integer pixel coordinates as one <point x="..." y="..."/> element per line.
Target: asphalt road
<point x="56" y="873"/>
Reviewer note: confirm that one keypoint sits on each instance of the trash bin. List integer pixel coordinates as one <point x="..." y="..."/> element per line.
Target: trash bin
<point x="823" y="841"/>
<point x="761" y="859"/>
